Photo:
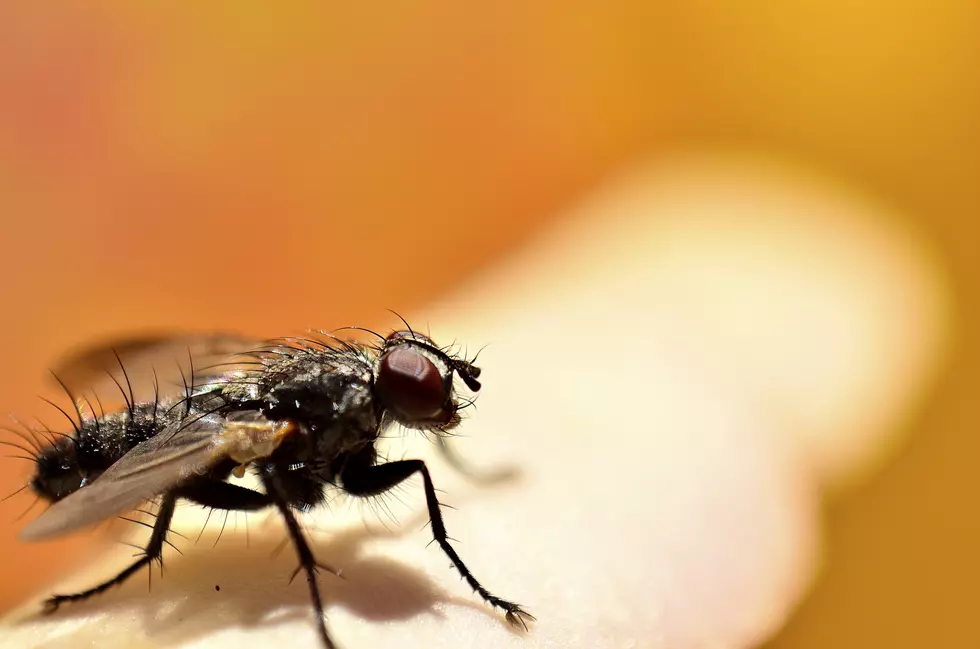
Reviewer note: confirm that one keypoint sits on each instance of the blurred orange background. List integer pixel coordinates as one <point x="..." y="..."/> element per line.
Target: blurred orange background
<point x="256" y="164"/>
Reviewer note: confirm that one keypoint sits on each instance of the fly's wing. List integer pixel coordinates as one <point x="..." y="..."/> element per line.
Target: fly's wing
<point x="140" y="366"/>
<point x="158" y="465"/>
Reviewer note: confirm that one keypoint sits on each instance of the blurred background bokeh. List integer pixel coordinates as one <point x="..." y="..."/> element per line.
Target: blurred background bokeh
<point x="253" y="165"/>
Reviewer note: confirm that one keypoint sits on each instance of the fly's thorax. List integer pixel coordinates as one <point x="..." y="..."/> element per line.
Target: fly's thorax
<point x="241" y="386"/>
<point x="336" y="412"/>
<point x="326" y="403"/>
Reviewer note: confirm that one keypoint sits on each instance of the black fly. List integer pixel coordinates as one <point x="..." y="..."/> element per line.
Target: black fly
<point x="303" y="414"/>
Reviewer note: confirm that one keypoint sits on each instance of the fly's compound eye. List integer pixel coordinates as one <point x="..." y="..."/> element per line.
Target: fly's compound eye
<point x="411" y="384"/>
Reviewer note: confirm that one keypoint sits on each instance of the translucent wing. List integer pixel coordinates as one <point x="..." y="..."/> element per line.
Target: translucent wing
<point x="160" y="464"/>
<point x="140" y="365"/>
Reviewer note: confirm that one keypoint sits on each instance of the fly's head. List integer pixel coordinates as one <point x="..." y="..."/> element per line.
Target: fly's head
<point x="413" y="379"/>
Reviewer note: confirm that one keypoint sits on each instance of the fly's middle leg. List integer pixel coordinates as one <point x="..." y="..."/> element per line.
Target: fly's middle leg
<point x="307" y="562"/>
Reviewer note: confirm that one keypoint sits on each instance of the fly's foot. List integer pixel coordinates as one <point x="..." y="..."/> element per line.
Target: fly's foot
<point x="518" y="617"/>
<point x="317" y="567"/>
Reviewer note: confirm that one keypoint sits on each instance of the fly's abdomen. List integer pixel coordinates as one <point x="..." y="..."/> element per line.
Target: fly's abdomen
<point x="76" y="459"/>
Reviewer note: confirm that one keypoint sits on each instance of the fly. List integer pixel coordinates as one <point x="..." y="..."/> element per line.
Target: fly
<point x="303" y="414"/>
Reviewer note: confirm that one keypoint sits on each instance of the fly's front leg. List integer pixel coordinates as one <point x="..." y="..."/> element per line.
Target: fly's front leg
<point x="360" y="480"/>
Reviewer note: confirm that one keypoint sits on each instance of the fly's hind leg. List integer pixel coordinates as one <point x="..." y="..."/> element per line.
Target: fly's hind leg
<point x="152" y="552"/>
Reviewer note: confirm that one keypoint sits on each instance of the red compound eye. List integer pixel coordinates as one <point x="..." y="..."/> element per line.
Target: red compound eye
<point x="411" y="384"/>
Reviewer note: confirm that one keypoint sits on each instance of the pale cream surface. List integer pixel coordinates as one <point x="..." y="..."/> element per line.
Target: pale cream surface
<point x="675" y="373"/>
